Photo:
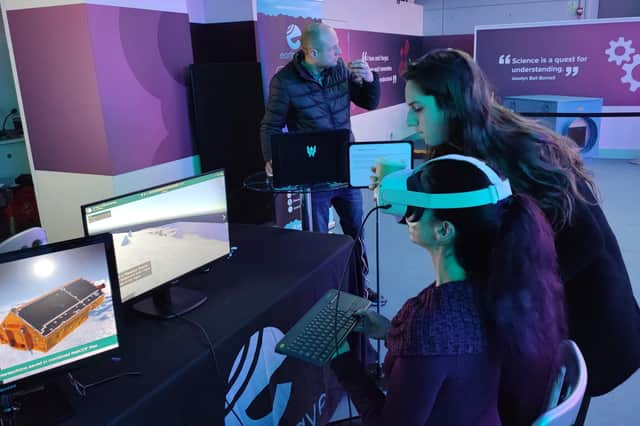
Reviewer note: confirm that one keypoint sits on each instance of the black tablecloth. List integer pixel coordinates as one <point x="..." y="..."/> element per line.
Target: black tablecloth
<point x="254" y="296"/>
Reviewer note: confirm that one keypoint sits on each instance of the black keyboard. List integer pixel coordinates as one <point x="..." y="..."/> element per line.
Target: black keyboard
<point x="313" y="338"/>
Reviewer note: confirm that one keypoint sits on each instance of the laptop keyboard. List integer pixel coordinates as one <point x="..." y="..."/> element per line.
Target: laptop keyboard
<point x="313" y="338"/>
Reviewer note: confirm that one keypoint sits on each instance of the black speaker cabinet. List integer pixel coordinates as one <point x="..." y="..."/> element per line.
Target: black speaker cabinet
<point x="227" y="106"/>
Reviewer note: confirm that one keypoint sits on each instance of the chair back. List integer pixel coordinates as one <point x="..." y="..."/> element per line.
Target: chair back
<point x="567" y="389"/>
<point x="31" y="237"/>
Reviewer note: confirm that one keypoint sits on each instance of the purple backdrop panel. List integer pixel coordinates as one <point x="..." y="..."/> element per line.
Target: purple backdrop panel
<point x="594" y="60"/>
<point x="462" y="42"/>
<point x="387" y="54"/>
<point x="141" y="61"/>
<point x="279" y="26"/>
<point x="59" y="91"/>
<point x="278" y="40"/>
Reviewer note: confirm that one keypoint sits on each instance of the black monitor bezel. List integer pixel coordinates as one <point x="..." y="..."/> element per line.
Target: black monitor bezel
<point x="107" y="240"/>
<point x="149" y="293"/>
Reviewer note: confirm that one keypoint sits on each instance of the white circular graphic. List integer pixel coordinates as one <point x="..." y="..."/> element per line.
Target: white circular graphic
<point x="293" y="36"/>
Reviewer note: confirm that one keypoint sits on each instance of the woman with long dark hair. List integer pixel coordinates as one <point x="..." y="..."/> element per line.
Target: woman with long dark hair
<point x="453" y="108"/>
<point x="495" y="308"/>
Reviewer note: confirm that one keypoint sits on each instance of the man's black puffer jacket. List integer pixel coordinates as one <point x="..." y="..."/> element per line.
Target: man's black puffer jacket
<point x="300" y="102"/>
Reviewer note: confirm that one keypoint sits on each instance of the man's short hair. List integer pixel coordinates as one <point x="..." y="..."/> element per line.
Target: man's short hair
<point x="312" y="33"/>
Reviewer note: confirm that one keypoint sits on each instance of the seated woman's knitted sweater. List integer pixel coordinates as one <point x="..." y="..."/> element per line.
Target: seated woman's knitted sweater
<point x="439" y="369"/>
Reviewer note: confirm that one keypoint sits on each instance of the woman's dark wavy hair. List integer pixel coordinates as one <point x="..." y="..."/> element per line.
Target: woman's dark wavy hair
<point x="537" y="161"/>
<point x="508" y="247"/>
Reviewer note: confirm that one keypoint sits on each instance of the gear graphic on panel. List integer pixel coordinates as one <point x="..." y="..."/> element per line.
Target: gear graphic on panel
<point x="614" y="45"/>
<point x="628" y="77"/>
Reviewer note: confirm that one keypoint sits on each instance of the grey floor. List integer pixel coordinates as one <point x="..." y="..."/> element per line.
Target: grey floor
<point x="406" y="268"/>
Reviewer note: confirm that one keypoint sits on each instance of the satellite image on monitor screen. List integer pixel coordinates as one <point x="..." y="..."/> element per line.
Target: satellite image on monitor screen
<point x="162" y="233"/>
<point x="55" y="308"/>
<point x="44" y="321"/>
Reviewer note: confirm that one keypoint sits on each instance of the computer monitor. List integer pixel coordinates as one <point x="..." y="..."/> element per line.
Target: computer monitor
<point x="58" y="311"/>
<point x="162" y="233"/>
<point x="58" y="307"/>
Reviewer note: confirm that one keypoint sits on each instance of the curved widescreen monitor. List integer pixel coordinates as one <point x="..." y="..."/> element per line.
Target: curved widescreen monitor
<point x="162" y="233"/>
<point x="57" y="306"/>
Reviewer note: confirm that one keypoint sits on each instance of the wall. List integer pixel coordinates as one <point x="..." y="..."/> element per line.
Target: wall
<point x="8" y="98"/>
<point x="461" y="16"/>
<point x="382" y="124"/>
<point x="133" y="105"/>
<point x="164" y="5"/>
<point x="220" y="11"/>
<point x="620" y="131"/>
<point x="365" y="15"/>
<point x="383" y="16"/>
<point x="619" y="8"/>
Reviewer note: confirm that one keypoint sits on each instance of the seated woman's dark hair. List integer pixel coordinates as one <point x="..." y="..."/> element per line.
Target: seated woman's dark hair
<point x="508" y="248"/>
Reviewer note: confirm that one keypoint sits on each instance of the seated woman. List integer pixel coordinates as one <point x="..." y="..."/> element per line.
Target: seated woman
<point x="496" y="307"/>
<point x="452" y="107"/>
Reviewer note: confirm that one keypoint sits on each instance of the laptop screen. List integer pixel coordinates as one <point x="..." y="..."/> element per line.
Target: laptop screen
<point x="310" y="158"/>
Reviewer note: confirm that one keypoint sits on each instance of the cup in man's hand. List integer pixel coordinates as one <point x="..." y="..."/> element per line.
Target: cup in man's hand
<point x="356" y="67"/>
<point x="385" y="166"/>
<point x="355" y="76"/>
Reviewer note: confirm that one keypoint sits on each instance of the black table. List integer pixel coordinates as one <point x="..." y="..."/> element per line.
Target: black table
<point x="275" y="276"/>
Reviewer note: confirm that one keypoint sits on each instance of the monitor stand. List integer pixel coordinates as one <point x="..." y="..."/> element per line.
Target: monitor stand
<point x="169" y="302"/>
<point x="42" y="406"/>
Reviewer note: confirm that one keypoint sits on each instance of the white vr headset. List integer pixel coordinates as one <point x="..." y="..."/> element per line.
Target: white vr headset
<point x="393" y="190"/>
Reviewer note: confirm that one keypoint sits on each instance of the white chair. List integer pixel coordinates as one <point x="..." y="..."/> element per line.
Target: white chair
<point x="31" y="237"/>
<point x="567" y="389"/>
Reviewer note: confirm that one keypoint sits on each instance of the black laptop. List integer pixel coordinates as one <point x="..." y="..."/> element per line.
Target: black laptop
<point x="310" y="158"/>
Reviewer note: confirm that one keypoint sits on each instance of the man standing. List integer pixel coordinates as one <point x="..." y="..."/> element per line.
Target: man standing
<point x="314" y="92"/>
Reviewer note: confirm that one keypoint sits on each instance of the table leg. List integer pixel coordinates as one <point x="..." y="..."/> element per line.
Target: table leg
<point x="306" y="198"/>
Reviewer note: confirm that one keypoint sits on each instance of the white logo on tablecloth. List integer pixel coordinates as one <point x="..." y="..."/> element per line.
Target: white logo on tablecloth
<point x="246" y="384"/>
